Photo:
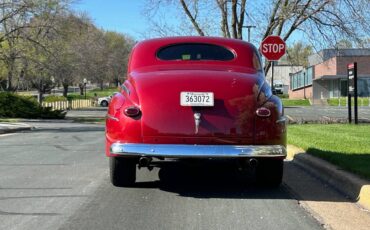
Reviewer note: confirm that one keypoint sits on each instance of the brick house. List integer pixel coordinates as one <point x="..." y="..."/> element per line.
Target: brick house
<point x="326" y="77"/>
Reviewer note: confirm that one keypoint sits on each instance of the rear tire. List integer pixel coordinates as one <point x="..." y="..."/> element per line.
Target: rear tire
<point x="270" y="172"/>
<point x="104" y="103"/>
<point x="122" y="171"/>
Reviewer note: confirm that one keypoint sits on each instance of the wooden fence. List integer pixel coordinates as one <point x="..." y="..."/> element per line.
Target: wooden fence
<point x="63" y="105"/>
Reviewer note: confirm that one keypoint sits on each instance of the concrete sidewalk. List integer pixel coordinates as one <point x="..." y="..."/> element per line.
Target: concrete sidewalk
<point x="8" y="127"/>
<point x="352" y="186"/>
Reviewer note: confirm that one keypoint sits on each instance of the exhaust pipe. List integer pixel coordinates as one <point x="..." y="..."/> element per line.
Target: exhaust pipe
<point x="253" y="162"/>
<point x="247" y="164"/>
<point x="144" y="161"/>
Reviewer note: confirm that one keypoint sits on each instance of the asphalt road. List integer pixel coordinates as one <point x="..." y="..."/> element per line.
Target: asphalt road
<point x="56" y="177"/>
<point x="325" y="113"/>
<point x="305" y="113"/>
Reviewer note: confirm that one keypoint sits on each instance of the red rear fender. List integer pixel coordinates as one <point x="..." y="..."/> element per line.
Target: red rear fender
<point x="271" y="129"/>
<point x="119" y="126"/>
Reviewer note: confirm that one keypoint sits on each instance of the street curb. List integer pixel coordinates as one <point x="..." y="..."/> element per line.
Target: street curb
<point x="347" y="183"/>
<point x="14" y="130"/>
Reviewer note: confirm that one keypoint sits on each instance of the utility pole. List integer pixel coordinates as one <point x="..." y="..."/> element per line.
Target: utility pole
<point x="249" y="27"/>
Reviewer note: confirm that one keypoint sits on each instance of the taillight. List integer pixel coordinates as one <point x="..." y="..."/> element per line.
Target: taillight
<point x="132" y="111"/>
<point x="263" y="112"/>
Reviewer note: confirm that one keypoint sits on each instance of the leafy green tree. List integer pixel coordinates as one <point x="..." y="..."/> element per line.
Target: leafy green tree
<point x="17" y="19"/>
<point x="118" y="47"/>
<point x="46" y="44"/>
<point x="297" y="54"/>
<point x="344" y="44"/>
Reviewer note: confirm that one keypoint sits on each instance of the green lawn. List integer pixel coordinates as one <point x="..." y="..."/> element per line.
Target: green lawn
<point x="347" y="146"/>
<point x="90" y="93"/>
<point x="362" y="101"/>
<point x="296" y="102"/>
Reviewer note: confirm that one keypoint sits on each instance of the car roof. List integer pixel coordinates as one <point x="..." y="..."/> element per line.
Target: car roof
<point x="144" y="52"/>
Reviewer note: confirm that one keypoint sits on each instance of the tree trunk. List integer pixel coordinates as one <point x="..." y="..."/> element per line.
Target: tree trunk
<point x="9" y="86"/>
<point x="40" y="91"/>
<point x="65" y="90"/>
<point x="81" y="86"/>
<point x="234" y="19"/>
<point x="267" y="66"/>
<point x="241" y="19"/>
<point x="40" y="96"/>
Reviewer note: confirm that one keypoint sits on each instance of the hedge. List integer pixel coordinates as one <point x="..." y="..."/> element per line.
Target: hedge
<point x="16" y="106"/>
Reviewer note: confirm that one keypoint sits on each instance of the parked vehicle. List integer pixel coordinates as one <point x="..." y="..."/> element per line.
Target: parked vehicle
<point x="191" y="98"/>
<point x="279" y="87"/>
<point x="104" y="101"/>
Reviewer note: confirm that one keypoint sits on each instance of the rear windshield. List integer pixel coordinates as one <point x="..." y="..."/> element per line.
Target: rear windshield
<point x="195" y="52"/>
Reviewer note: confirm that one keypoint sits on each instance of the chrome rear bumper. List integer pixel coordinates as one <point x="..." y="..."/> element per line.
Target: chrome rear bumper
<point x="198" y="151"/>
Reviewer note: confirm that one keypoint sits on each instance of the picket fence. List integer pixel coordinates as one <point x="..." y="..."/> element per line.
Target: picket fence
<point x="63" y="105"/>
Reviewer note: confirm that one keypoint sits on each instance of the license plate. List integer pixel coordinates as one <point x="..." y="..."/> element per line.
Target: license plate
<point x="196" y="99"/>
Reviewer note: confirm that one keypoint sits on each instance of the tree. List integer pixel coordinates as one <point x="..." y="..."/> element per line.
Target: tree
<point x="45" y="43"/>
<point x="344" y="44"/>
<point x="17" y="19"/>
<point x="118" y="47"/>
<point x="321" y="22"/>
<point x="297" y="54"/>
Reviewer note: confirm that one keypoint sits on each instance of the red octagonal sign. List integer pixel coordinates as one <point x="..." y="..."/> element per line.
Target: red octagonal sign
<point x="273" y="48"/>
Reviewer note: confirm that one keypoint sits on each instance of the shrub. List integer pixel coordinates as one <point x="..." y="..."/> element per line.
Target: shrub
<point x="77" y="97"/>
<point x="53" y="98"/>
<point x="15" y="106"/>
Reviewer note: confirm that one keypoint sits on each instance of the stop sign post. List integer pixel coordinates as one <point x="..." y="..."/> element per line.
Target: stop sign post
<point x="273" y="48"/>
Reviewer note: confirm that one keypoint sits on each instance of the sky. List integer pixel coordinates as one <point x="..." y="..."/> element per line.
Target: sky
<point x="122" y="16"/>
<point x="125" y="16"/>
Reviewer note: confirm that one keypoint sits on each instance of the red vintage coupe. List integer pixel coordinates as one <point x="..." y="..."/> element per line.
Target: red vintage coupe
<point x="195" y="97"/>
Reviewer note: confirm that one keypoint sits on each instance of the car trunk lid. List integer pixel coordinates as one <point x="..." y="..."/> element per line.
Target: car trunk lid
<point x="163" y="118"/>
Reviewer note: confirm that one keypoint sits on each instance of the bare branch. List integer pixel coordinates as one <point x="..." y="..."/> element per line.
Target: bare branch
<point x="222" y="4"/>
<point x="234" y="19"/>
<point x="241" y="19"/>
<point x="192" y="18"/>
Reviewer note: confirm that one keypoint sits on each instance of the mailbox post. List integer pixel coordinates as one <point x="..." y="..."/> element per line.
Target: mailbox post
<point x="352" y="90"/>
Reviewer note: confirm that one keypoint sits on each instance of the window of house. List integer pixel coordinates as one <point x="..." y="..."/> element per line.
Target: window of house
<point x="299" y="79"/>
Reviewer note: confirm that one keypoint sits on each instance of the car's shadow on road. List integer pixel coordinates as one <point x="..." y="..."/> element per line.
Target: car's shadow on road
<point x="212" y="181"/>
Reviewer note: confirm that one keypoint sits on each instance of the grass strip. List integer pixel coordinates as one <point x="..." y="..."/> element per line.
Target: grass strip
<point x="362" y="101"/>
<point x="296" y="102"/>
<point x="347" y="146"/>
<point x="91" y="93"/>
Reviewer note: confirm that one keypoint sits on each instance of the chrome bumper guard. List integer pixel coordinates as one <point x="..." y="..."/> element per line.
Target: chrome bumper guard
<point x="198" y="151"/>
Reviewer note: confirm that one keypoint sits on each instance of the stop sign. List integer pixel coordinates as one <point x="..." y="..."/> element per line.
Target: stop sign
<point x="273" y="48"/>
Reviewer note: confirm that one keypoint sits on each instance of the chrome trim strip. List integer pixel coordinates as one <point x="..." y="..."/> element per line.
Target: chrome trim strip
<point x="201" y="151"/>
<point x="125" y="89"/>
<point x="111" y="117"/>
<point x="282" y="120"/>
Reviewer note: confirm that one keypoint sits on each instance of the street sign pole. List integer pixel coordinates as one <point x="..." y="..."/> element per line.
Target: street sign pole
<point x="349" y="109"/>
<point x="355" y="92"/>
<point x="272" y="76"/>
<point x="352" y="90"/>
